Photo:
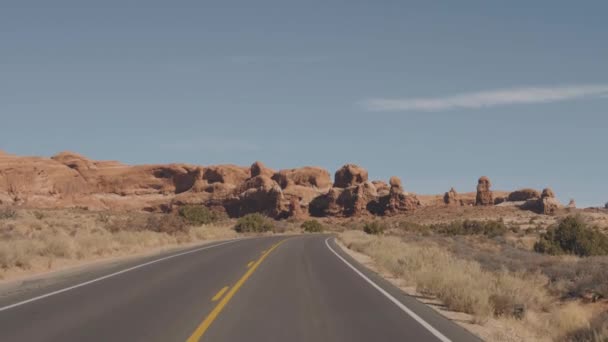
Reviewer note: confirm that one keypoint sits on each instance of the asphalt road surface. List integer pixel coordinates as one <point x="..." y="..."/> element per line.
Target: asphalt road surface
<point x="299" y="288"/>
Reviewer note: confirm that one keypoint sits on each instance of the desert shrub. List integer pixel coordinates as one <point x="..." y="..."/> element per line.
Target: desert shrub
<point x="573" y="236"/>
<point x="58" y="246"/>
<point x="412" y="226"/>
<point x="312" y="226"/>
<point x="126" y="223"/>
<point x="196" y="214"/>
<point x="374" y="228"/>
<point x="167" y="223"/>
<point x="253" y="223"/>
<point x="7" y="213"/>
<point x="470" y="227"/>
<point x="39" y="215"/>
<point x="17" y="253"/>
<point x="103" y="217"/>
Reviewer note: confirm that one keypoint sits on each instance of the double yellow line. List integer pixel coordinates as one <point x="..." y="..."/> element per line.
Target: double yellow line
<point x="202" y="328"/>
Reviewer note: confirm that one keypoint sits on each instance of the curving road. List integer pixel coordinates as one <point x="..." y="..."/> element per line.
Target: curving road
<point x="301" y="288"/>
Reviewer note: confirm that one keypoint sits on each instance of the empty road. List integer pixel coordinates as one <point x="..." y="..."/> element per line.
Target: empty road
<point x="280" y="288"/>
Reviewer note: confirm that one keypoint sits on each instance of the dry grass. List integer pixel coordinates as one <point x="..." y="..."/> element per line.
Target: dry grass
<point x="596" y="332"/>
<point x="34" y="241"/>
<point x="487" y="294"/>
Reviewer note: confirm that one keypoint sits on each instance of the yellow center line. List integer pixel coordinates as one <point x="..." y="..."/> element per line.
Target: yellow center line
<point x="202" y="328"/>
<point x="250" y="263"/>
<point x="220" y="294"/>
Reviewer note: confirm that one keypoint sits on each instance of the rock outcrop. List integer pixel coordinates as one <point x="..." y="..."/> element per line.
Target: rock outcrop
<point x="547" y="204"/>
<point x="523" y="195"/>
<point x="350" y="175"/>
<point x="72" y="180"/>
<point x="308" y="176"/>
<point x="484" y="194"/>
<point x="226" y="174"/>
<point x="354" y="200"/>
<point x="382" y="188"/>
<point x="572" y="204"/>
<point x="259" y="169"/>
<point x="397" y="200"/>
<point x="451" y="197"/>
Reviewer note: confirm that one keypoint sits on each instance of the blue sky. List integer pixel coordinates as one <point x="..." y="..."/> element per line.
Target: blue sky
<point x="435" y="93"/>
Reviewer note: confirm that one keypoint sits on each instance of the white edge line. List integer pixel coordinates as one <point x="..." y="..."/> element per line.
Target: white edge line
<point x="111" y="275"/>
<point x="405" y="309"/>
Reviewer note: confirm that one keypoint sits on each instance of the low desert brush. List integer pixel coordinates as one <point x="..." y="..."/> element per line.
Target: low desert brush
<point x="253" y="223"/>
<point x="312" y="226"/>
<point x="572" y="235"/>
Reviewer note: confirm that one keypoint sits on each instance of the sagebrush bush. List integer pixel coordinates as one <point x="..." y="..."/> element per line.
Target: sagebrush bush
<point x="197" y="215"/>
<point x="573" y="236"/>
<point x="471" y="227"/>
<point x="374" y="228"/>
<point x="253" y="223"/>
<point x="7" y="213"/>
<point x="312" y="226"/>
<point x="167" y="223"/>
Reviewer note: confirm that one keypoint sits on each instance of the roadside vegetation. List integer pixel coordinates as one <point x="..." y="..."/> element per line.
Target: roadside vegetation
<point x="374" y="228"/>
<point x="493" y="271"/>
<point x="197" y="215"/>
<point x="573" y="236"/>
<point x="312" y="226"/>
<point x="254" y="223"/>
<point x="488" y="228"/>
<point x="39" y="240"/>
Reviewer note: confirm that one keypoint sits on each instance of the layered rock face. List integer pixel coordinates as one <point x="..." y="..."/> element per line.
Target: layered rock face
<point x="72" y="180"/>
<point x="484" y="194"/>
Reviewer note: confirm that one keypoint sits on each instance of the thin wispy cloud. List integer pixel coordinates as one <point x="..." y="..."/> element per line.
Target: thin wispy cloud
<point x="492" y="98"/>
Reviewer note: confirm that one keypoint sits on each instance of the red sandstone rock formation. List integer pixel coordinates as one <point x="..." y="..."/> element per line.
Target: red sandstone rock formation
<point x="451" y="197"/>
<point x="523" y="195"/>
<point x="71" y="180"/>
<point x="484" y="194"/>
<point x="397" y="200"/>
<point x="308" y="176"/>
<point x="350" y="175"/>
